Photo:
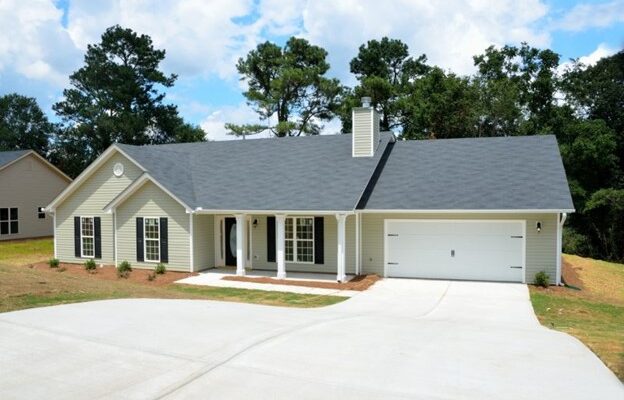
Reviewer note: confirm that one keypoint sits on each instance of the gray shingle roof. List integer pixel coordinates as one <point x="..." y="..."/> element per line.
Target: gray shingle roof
<point x="306" y="173"/>
<point x="9" y="156"/>
<point x="515" y="173"/>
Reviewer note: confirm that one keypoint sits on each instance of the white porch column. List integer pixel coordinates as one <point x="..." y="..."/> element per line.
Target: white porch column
<point x="280" y="221"/>
<point x="241" y="240"/>
<point x="341" y="260"/>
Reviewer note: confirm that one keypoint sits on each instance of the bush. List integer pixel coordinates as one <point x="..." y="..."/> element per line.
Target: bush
<point x="575" y="243"/>
<point x="54" y="262"/>
<point x="541" y="279"/>
<point x="151" y="277"/>
<point x="124" y="269"/>
<point x="90" y="265"/>
<point x="160" y="269"/>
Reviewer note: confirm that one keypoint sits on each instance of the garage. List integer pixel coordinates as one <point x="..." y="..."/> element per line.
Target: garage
<point x="490" y="250"/>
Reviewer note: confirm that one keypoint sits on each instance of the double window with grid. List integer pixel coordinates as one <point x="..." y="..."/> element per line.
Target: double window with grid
<point x="9" y="221"/>
<point x="87" y="237"/>
<point x="151" y="232"/>
<point x="299" y="239"/>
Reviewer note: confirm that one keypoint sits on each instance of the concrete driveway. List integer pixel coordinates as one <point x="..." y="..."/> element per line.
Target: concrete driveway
<point x="402" y="339"/>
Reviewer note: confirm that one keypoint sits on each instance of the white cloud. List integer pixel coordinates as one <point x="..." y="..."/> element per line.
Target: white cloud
<point x="214" y="123"/>
<point x="584" y="16"/>
<point x="603" y="50"/>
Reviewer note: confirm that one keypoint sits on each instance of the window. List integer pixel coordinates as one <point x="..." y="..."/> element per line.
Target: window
<point x="87" y="237"/>
<point x="151" y="233"/>
<point x="41" y="212"/>
<point x="9" y="224"/>
<point x="299" y="243"/>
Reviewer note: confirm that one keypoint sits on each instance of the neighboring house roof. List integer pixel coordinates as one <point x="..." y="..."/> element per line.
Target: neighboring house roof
<point x="312" y="173"/>
<point x="9" y="157"/>
<point x="502" y="173"/>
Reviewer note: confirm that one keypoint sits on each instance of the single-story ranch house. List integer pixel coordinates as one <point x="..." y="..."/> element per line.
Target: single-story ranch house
<point x="28" y="182"/>
<point x="360" y="203"/>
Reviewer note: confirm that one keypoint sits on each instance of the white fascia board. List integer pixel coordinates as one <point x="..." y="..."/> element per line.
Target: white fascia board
<point x="462" y="211"/>
<point x="136" y="185"/>
<point x="46" y="162"/>
<point x="274" y="212"/>
<point x="108" y="153"/>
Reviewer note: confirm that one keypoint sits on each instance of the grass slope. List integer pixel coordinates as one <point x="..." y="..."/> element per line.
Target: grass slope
<point x="591" y="310"/>
<point x="23" y="285"/>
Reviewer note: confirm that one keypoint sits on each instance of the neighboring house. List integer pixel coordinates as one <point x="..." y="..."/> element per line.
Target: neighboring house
<point x="27" y="184"/>
<point x="480" y="209"/>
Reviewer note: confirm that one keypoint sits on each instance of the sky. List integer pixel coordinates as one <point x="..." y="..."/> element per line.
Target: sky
<point x="43" y="41"/>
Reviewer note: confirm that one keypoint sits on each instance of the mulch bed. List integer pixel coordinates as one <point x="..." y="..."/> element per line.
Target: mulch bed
<point x="109" y="272"/>
<point x="359" y="283"/>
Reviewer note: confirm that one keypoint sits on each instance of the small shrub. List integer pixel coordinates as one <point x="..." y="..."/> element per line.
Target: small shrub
<point x="151" y="276"/>
<point x="62" y="269"/>
<point x="124" y="269"/>
<point x="160" y="269"/>
<point x="54" y="262"/>
<point x="90" y="265"/>
<point x="541" y="279"/>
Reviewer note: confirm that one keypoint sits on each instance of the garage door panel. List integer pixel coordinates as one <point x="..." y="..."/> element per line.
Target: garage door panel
<point x="473" y="250"/>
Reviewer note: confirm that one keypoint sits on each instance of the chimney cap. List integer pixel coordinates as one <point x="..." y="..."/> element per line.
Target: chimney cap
<point x="366" y="101"/>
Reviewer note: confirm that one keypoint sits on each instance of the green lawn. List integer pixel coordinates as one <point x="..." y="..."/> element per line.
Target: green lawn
<point x="23" y="285"/>
<point x="592" y="311"/>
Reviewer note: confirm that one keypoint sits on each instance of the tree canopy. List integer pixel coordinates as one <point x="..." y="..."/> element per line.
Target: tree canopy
<point x="290" y="84"/>
<point x="23" y="125"/>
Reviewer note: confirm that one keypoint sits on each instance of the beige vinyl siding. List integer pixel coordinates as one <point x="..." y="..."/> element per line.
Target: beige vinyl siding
<point x="151" y="201"/>
<point x="29" y="184"/>
<point x="259" y="247"/>
<point x="541" y="248"/>
<point x="362" y="125"/>
<point x="89" y="199"/>
<point x="203" y="241"/>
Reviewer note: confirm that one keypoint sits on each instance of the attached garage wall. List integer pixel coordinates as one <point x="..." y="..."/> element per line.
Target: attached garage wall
<point x="151" y="201"/>
<point x="541" y="248"/>
<point x="203" y="237"/>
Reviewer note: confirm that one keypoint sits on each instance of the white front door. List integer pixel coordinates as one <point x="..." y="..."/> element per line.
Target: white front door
<point x="455" y="249"/>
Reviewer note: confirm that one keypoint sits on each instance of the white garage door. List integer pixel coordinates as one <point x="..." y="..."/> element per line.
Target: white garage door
<point x="451" y="249"/>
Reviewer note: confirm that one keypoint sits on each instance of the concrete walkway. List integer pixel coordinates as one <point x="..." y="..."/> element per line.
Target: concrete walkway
<point x="214" y="277"/>
<point x="402" y="339"/>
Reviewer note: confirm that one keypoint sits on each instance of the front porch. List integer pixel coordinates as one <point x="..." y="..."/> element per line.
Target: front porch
<point x="300" y="246"/>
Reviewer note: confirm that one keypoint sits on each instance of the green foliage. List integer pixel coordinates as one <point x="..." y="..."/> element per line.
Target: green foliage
<point x="53" y="262"/>
<point x="90" y="265"/>
<point x="23" y="126"/>
<point x="605" y="212"/>
<point x="575" y="243"/>
<point x="541" y="279"/>
<point x="160" y="269"/>
<point x="115" y="97"/>
<point x="289" y="83"/>
<point x="123" y="269"/>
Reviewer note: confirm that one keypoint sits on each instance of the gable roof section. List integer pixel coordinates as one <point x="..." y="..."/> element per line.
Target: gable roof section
<point x="313" y="173"/>
<point x="502" y="173"/>
<point x="8" y="158"/>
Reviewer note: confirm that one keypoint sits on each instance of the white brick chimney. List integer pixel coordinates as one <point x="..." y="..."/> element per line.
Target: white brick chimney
<point x="365" y="122"/>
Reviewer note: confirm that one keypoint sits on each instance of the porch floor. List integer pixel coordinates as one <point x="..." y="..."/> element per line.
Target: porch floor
<point x="213" y="277"/>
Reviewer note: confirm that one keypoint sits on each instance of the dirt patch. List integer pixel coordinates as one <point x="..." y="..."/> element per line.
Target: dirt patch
<point x="109" y="272"/>
<point x="570" y="273"/>
<point x="359" y="283"/>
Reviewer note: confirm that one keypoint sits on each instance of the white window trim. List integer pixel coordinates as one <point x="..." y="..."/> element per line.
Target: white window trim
<point x="82" y="255"/>
<point x="294" y="240"/>
<point x="9" y="220"/>
<point x="145" y="239"/>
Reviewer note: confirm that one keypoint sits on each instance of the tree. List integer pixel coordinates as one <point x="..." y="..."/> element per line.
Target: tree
<point x="288" y="83"/>
<point x="517" y="90"/>
<point x="384" y="69"/>
<point x="23" y="125"/>
<point x="605" y="210"/>
<point x="116" y="97"/>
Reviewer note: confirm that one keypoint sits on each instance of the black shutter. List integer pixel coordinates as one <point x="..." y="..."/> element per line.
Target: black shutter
<point x="97" y="232"/>
<point x="139" y="238"/>
<point x="77" y="237"/>
<point x="271" y="239"/>
<point x="319" y="240"/>
<point x="164" y="240"/>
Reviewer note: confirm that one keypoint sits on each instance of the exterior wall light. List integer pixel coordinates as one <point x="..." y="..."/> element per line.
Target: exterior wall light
<point x="255" y="223"/>
<point x="538" y="226"/>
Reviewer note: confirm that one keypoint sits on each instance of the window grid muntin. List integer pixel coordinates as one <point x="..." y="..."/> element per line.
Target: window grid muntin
<point x="87" y="237"/>
<point x="9" y="221"/>
<point x="151" y="239"/>
<point x="299" y="247"/>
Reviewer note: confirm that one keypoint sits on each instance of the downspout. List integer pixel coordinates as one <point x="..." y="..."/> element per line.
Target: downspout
<point x="562" y="218"/>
